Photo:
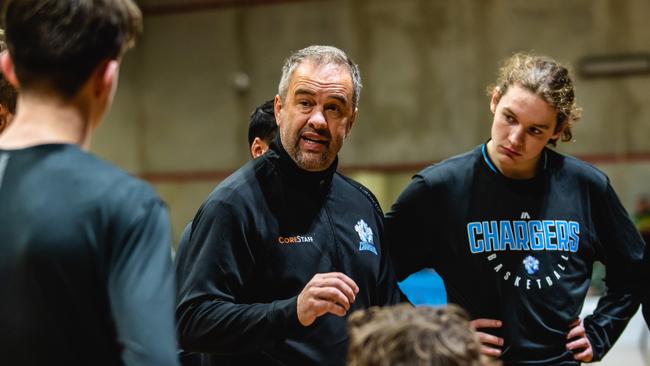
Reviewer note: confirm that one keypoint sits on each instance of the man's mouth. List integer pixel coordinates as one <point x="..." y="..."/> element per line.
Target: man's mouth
<point x="315" y="138"/>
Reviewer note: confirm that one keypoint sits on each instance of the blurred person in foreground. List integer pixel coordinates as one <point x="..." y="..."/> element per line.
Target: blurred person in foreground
<point x="514" y="228"/>
<point x="7" y="93"/>
<point x="84" y="261"/>
<point x="407" y="335"/>
<point x="284" y="248"/>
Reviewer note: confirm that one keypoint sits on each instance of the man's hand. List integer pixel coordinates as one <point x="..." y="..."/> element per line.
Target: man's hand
<point x="326" y="293"/>
<point x="486" y="339"/>
<point x="578" y="343"/>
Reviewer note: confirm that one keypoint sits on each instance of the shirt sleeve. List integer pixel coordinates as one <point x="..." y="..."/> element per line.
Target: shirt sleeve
<point x="389" y="292"/>
<point x="407" y="224"/>
<point x="141" y="286"/>
<point x="622" y="249"/>
<point x="212" y="315"/>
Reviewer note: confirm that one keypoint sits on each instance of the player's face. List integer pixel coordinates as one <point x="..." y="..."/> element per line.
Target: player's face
<point x="317" y="114"/>
<point x="523" y="124"/>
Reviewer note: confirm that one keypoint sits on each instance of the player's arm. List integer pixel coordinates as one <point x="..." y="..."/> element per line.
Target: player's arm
<point x="408" y="226"/>
<point x="387" y="290"/>
<point x="141" y="285"/>
<point x="622" y="249"/>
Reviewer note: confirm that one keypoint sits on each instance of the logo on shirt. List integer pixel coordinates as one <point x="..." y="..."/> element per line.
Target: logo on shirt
<point x="365" y="234"/>
<point x="295" y="239"/>
<point x="531" y="264"/>
<point x="544" y="245"/>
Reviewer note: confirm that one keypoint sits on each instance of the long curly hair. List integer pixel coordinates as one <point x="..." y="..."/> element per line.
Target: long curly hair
<point x="548" y="79"/>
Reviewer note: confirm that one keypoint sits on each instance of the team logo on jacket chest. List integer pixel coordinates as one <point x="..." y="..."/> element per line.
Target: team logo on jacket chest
<point x="365" y="234"/>
<point x="540" y="239"/>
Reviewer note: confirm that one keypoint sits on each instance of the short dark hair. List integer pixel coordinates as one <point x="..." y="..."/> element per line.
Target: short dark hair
<point x="262" y="123"/>
<point x="407" y="335"/>
<point x="57" y="44"/>
<point x="8" y="94"/>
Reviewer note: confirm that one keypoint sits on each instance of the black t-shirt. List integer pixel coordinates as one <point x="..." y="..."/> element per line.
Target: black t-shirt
<point x="85" y="263"/>
<point x="521" y="250"/>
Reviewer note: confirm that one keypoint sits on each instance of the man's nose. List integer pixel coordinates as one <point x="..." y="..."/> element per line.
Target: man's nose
<point x="317" y="119"/>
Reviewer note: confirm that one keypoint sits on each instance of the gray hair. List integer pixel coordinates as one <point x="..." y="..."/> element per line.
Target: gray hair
<point x="321" y="55"/>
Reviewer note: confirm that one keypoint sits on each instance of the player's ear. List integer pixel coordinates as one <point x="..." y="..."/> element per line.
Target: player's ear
<point x="496" y="97"/>
<point x="258" y="148"/>
<point x="7" y="67"/>
<point x="558" y="131"/>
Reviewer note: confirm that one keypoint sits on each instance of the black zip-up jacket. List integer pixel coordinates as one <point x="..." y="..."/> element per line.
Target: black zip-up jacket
<point x="522" y="250"/>
<point x="256" y="241"/>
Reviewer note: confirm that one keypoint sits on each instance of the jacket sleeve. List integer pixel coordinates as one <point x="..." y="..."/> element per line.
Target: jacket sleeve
<point x="407" y="226"/>
<point x="622" y="251"/>
<point x="141" y="286"/>
<point x="387" y="289"/>
<point x="211" y="315"/>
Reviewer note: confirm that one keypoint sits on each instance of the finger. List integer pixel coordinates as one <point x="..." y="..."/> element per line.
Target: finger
<point x="575" y="332"/>
<point x="579" y="344"/>
<point x="489" y="351"/>
<point x="331" y="294"/>
<point x="337" y="283"/>
<point x="485" y="338"/>
<point x="585" y="356"/>
<point x="485" y="323"/>
<point x="574" y="323"/>
<point x="325" y="307"/>
<point x="343" y="277"/>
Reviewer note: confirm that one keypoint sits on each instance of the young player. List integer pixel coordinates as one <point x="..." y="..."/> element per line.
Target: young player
<point x="85" y="266"/>
<point x="514" y="227"/>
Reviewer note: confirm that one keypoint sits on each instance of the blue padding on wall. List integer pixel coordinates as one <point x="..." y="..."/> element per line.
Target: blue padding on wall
<point x="424" y="288"/>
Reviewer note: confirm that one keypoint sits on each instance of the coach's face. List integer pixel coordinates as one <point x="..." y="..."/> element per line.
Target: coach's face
<point x="317" y="114"/>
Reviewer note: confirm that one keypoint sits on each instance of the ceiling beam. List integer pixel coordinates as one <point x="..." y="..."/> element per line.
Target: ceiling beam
<point x="181" y="6"/>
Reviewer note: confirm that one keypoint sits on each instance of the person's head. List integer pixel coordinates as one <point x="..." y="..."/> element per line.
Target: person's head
<point x="262" y="129"/>
<point x="407" y="335"/>
<point x="7" y="93"/>
<point x="316" y="104"/>
<point x="533" y="103"/>
<point x="57" y="46"/>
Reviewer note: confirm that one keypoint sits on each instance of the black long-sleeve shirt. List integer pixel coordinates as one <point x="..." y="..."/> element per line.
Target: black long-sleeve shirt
<point x="85" y="264"/>
<point x="256" y="241"/>
<point x="522" y="250"/>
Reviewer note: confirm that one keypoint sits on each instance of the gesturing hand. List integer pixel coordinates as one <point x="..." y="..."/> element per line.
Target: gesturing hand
<point x="578" y="343"/>
<point x="486" y="339"/>
<point x="331" y="292"/>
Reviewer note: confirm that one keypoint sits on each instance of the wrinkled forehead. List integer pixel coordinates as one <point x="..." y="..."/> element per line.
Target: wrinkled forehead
<point x="322" y="75"/>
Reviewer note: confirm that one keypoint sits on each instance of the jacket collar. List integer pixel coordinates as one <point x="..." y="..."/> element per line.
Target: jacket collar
<point x="304" y="178"/>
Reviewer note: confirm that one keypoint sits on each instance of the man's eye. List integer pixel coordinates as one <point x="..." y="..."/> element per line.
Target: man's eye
<point x="510" y="118"/>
